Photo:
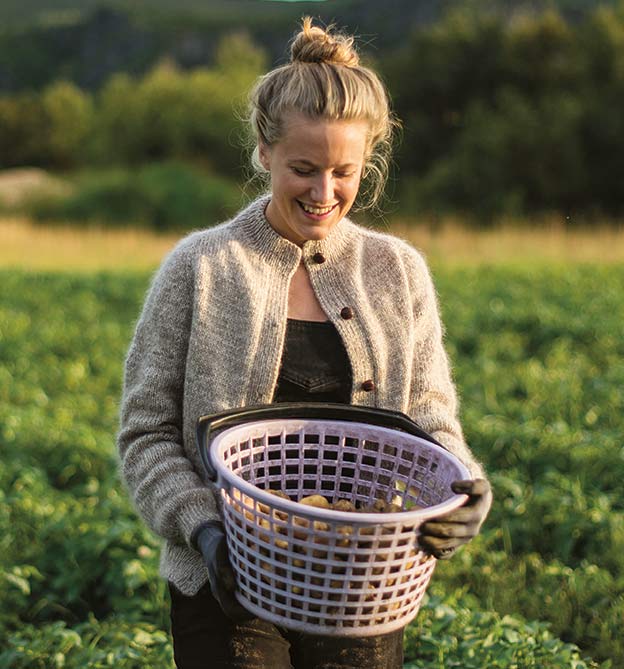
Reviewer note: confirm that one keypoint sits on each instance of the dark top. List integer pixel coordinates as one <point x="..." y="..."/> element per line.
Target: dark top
<point x="314" y="366"/>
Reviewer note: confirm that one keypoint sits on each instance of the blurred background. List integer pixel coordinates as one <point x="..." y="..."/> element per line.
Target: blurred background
<point x="128" y="113"/>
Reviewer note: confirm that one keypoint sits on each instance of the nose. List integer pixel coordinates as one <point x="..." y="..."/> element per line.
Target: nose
<point x="323" y="189"/>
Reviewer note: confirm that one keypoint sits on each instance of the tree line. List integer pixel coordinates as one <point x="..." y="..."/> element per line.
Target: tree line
<point x="498" y="117"/>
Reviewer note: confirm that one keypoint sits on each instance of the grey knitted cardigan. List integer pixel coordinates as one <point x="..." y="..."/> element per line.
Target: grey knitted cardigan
<point x="210" y="338"/>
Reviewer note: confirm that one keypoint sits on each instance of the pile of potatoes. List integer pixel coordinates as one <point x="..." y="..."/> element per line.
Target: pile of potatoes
<point x="312" y="553"/>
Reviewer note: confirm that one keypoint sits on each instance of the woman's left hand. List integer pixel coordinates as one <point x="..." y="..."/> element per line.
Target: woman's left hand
<point x="444" y="535"/>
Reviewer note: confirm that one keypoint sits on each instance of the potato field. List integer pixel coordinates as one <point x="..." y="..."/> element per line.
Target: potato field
<point x="538" y="356"/>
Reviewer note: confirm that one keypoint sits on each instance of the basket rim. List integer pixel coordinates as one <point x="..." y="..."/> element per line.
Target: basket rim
<point x="225" y="476"/>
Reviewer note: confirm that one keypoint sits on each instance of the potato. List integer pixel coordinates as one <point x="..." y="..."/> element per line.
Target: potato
<point x="246" y="506"/>
<point x="390" y="507"/>
<point x="315" y="500"/>
<point x="264" y="524"/>
<point x="411" y="563"/>
<point x="280" y="494"/>
<point x="377" y="506"/>
<point x="347" y="532"/>
<point x="282" y="515"/>
<point x="343" y="505"/>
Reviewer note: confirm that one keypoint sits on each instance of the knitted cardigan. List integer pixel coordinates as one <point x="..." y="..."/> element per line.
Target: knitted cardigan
<point x="210" y="338"/>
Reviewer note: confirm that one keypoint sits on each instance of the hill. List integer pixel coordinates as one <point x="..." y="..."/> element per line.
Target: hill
<point x="86" y="40"/>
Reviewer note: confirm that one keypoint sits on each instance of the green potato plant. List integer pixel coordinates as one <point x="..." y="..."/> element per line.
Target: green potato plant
<point x="537" y="359"/>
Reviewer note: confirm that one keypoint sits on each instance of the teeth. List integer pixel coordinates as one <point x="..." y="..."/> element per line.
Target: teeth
<point x="318" y="211"/>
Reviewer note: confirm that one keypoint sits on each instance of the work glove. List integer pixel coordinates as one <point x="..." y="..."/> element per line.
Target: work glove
<point x="444" y="535"/>
<point x="209" y="539"/>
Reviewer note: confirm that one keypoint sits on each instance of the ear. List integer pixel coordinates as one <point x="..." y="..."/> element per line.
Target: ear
<point x="264" y="155"/>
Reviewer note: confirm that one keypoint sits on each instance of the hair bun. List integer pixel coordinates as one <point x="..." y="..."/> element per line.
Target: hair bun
<point x="315" y="45"/>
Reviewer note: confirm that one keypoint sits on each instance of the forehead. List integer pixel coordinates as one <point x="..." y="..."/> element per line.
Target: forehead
<point x="323" y="141"/>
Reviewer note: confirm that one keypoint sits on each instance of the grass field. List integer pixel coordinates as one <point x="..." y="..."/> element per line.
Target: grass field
<point x="43" y="247"/>
<point x="533" y="328"/>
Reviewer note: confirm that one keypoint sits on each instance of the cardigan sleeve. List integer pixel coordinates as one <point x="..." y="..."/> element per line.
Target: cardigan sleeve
<point x="164" y="486"/>
<point x="433" y="398"/>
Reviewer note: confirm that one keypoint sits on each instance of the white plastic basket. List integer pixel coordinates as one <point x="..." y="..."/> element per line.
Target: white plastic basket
<point x="323" y="571"/>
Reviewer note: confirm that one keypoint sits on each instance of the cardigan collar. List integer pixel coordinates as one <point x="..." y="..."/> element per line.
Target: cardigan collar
<point x="279" y="251"/>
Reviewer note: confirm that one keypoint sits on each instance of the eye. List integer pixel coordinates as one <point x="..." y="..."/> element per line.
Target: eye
<point x="344" y="175"/>
<point x="301" y="171"/>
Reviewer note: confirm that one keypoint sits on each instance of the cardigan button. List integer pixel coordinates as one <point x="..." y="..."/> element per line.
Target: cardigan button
<point x="319" y="258"/>
<point x="368" y="385"/>
<point x="347" y="313"/>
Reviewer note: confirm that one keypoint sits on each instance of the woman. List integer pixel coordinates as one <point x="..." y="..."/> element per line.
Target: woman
<point x="287" y="301"/>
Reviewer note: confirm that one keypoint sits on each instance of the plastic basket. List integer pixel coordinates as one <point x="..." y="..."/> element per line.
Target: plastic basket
<point x="323" y="571"/>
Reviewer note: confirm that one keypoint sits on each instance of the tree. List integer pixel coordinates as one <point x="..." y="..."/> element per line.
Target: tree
<point x="69" y="113"/>
<point x="23" y="131"/>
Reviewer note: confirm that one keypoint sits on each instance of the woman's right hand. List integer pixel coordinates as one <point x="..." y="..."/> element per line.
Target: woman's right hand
<point x="210" y="541"/>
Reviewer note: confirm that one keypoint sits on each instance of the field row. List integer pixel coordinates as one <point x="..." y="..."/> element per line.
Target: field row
<point x="538" y="362"/>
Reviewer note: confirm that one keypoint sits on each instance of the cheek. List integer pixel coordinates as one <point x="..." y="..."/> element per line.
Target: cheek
<point x="352" y="191"/>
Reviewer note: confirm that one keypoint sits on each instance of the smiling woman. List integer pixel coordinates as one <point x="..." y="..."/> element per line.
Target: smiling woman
<point x="288" y="301"/>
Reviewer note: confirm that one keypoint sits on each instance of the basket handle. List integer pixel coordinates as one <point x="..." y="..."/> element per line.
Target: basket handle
<point x="207" y="426"/>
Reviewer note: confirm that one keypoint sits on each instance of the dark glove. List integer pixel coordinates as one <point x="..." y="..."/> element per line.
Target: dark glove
<point x="209" y="539"/>
<point x="443" y="536"/>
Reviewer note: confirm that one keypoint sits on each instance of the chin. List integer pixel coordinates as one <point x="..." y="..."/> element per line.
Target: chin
<point x="316" y="235"/>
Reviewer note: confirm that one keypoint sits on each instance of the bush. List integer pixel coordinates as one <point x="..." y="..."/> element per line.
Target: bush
<point x="94" y="644"/>
<point x="162" y="196"/>
<point x="449" y="634"/>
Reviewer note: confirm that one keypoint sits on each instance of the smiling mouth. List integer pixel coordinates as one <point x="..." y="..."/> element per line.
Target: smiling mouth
<point x="316" y="211"/>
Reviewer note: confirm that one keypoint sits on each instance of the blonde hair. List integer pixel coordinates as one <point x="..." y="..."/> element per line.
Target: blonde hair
<point x="324" y="79"/>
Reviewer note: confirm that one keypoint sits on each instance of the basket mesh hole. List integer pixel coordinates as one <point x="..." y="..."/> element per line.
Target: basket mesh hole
<point x="368" y="460"/>
<point x="347" y="472"/>
<point x="328" y="470"/>
<point x="292" y="438"/>
<point x="312" y="439"/>
<point x="390" y="450"/>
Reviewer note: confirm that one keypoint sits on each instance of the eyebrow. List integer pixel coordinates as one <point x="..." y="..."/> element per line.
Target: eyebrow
<point x="303" y="161"/>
